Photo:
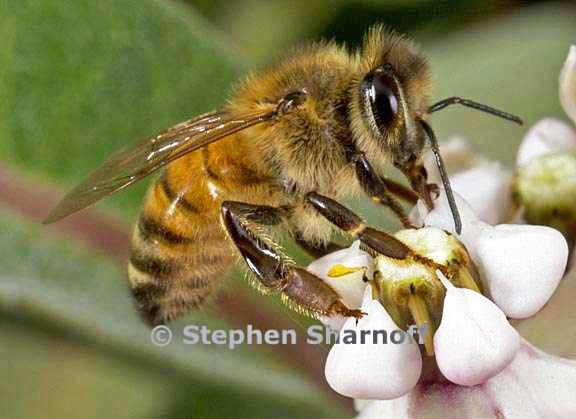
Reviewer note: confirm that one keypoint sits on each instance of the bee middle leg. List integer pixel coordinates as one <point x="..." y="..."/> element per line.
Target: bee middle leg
<point x="377" y="240"/>
<point x="276" y="272"/>
<point x="381" y="190"/>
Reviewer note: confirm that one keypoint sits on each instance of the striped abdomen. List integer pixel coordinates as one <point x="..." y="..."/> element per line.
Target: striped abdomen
<point x="179" y="250"/>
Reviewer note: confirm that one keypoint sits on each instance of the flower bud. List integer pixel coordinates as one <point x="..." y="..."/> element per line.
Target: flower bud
<point x="545" y="188"/>
<point x="547" y="136"/>
<point x="486" y="188"/>
<point x="568" y="84"/>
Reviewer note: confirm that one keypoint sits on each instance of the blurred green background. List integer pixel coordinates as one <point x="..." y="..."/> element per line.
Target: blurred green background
<point x="78" y="79"/>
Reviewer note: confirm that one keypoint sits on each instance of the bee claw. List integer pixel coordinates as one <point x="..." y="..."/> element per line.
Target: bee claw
<point x="433" y="190"/>
<point x="339" y="308"/>
<point x="362" y="314"/>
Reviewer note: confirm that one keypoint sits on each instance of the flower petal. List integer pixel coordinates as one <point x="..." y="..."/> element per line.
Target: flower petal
<point x="548" y="135"/>
<point x="561" y="338"/>
<point x="522" y="266"/>
<point x="372" y="370"/>
<point x="486" y="188"/>
<point x="535" y="385"/>
<point x="568" y="84"/>
<point x="474" y="341"/>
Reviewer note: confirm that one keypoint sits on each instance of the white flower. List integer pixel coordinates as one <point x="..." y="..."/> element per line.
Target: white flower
<point x="372" y="370"/>
<point x="476" y="350"/>
<point x="481" y="182"/>
<point x="521" y="265"/>
<point x="475" y="347"/>
<point x="486" y="185"/>
<point x="545" y="180"/>
<point x="534" y="385"/>
<point x="486" y="188"/>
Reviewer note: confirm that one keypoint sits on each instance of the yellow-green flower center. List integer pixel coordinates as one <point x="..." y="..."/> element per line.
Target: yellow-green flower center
<point x="546" y="189"/>
<point x="411" y="291"/>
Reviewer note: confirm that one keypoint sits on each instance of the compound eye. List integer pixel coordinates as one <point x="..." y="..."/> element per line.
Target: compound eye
<point x="377" y="87"/>
<point x="385" y="103"/>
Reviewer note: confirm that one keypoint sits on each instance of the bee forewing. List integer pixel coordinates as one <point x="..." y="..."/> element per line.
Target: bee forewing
<point x="126" y="167"/>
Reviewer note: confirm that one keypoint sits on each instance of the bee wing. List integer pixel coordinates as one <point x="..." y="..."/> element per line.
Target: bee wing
<point x="126" y="167"/>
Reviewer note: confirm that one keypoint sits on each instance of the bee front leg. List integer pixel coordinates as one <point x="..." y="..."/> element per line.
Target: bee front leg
<point x="276" y="272"/>
<point x="381" y="191"/>
<point x="377" y="240"/>
<point x="417" y="175"/>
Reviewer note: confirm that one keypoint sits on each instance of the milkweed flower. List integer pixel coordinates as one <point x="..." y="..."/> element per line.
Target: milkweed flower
<point x="469" y="290"/>
<point x="534" y="385"/>
<point x="471" y="351"/>
<point x="542" y="187"/>
<point x="521" y="265"/>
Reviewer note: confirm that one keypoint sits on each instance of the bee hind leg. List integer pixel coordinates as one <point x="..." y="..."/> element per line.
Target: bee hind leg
<point x="274" y="271"/>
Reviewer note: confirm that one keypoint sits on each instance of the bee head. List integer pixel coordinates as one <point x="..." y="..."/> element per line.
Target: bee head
<point x="390" y="93"/>
<point x="389" y="109"/>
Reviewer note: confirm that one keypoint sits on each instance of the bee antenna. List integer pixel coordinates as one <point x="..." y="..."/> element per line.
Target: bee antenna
<point x="445" y="180"/>
<point x="474" y="105"/>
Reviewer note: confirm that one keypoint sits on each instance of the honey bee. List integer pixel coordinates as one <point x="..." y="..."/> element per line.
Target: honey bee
<point x="313" y="129"/>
